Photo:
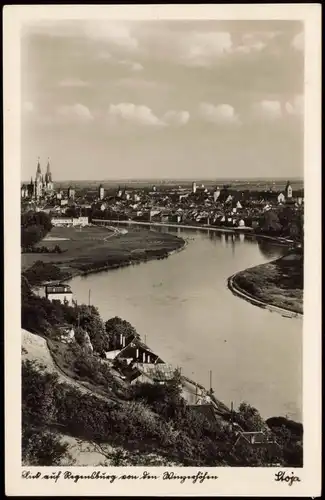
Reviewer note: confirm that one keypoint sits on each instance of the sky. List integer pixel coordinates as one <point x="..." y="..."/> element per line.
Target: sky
<point x="162" y="99"/>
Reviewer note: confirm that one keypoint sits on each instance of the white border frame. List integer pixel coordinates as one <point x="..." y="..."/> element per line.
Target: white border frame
<point x="232" y="481"/>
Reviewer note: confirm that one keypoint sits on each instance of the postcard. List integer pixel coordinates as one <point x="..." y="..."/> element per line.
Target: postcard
<point x="162" y="304"/>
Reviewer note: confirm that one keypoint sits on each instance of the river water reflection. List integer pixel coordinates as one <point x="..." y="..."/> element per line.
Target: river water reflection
<point x="190" y="318"/>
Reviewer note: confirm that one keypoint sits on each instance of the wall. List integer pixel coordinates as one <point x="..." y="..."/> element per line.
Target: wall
<point x="61" y="297"/>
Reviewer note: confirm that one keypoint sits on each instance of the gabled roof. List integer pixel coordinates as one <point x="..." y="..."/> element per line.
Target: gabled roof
<point x="157" y="372"/>
<point x="257" y="437"/>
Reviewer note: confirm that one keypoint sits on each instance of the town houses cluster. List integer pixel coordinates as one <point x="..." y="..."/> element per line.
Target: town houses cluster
<point x="190" y="204"/>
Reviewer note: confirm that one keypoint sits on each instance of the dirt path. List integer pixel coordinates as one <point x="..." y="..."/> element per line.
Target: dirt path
<point x="35" y="348"/>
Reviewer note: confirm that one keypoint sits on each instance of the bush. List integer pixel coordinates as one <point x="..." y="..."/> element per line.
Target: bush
<point x="41" y="272"/>
<point x="34" y="227"/>
<point x="42" y="448"/>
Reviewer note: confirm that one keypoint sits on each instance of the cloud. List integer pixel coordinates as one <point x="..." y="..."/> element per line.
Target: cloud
<point x="73" y="82"/>
<point x="221" y="114"/>
<point x="176" y="117"/>
<point x="134" y="66"/>
<point x="200" y="49"/>
<point x="143" y="115"/>
<point x="206" y="48"/>
<point x="116" y="33"/>
<point x="296" y="106"/>
<point x="77" y="112"/>
<point x="139" y="83"/>
<point x="298" y="41"/>
<point x="133" y="113"/>
<point x="104" y="55"/>
<point x="28" y="106"/>
<point x="269" y="110"/>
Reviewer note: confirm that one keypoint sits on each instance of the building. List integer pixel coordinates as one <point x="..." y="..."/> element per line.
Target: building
<point x="193" y="187"/>
<point x="24" y="191"/>
<point x="257" y="439"/>
<point x="71" y="193"/>
<point x="281" y="198"/>
<point x="101" y="192"/>
<point x="80" y="221"/>
<point x="288" y="191"/>
<point x="216" y="194"/>
<point x="41" y="186"/>
<point x="138" y="352"/>
<point x="70" y="221"/>
<point x="59" y="292"/>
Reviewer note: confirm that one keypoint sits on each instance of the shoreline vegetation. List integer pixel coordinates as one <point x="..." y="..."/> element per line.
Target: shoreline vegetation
<point x="89" y="250"/>
<point x="276" y="285"/>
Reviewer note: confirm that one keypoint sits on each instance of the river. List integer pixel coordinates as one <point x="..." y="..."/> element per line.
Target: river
<point x="183" y="309"/>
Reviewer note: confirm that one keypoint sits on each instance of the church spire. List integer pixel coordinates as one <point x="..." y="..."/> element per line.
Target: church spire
<point x="38" y="171"/>
<point x="48" y="175"/>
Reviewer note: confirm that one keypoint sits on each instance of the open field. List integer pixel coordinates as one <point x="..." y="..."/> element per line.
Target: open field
<point x="92" y="248"/>
<point x="278" y="283"/>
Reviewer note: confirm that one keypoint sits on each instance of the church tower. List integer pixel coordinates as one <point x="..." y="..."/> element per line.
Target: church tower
<point x="288" y="191"/>
<point x="48" y="178"/>
<point x="38" y="181"/>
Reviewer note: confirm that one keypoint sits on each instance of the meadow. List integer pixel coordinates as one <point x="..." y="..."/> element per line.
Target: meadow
<point x="92" y="247"/>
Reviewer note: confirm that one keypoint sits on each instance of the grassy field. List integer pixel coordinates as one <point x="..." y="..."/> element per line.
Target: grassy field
<point x="278" y="283"/>
<point x="94" y="247"/>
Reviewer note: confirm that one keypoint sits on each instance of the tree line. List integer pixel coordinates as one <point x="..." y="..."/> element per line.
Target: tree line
<point x="34" y="226"/>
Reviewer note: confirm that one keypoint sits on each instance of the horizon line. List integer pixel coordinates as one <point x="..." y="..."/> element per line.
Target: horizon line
<point x="178" y="179"/>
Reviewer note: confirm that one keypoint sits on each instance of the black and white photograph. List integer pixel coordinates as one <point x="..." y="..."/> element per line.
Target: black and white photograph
<point x="162" y="245"/>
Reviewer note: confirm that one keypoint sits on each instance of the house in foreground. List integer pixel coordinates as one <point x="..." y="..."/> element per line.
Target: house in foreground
<point x="60" y="292"/>
<point x="257" y="439"/>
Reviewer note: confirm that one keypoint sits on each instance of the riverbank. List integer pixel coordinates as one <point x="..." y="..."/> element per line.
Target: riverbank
<point x="276" y="285"/>
<point x="92" y="250"/>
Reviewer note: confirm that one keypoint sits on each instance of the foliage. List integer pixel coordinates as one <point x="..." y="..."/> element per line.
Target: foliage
<point x="289" y="435"/>
<point x="43" y="249"/>
<point x="285" y="222"/>
<point x="39" y="315"/>
<point x="249" y="418"/>
<point x="144" y="423"/>
<point x="146" y="416"/>
<point x="42" y="448"/>
<point x="41" y="272"/>
<point x="39" y="446"/>
<point x="38" y="389"/>
<point x="34" y="227"/>
<point x="115" y="327"/>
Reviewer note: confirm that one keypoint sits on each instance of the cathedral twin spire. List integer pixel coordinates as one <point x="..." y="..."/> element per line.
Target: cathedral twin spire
<point x="42" y="183"/>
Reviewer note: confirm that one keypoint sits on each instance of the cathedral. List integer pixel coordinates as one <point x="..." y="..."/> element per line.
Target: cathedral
<point x="41" y="186"/>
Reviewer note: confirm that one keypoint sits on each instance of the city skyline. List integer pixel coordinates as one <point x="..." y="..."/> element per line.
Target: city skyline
<point x="163" y="99"/>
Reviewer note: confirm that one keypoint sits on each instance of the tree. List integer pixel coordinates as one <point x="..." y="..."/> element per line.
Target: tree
<point x="38" y="394"/>
<point x="41" y="271"/>
<point x="34" y="227"/>
<point x="270" y="223"/>
<point x="42" y="448"/>
<point x="249" y="418"/>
